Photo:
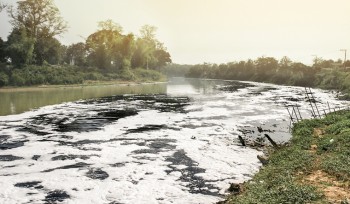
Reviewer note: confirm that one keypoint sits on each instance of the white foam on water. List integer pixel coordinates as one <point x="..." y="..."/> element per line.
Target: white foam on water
<point x="141" y="165"/>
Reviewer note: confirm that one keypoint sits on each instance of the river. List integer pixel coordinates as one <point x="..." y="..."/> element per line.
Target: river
<point x="165" y="143"/>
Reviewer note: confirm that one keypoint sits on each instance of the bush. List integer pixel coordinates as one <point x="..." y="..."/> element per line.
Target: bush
<point x="94" y="76"/>
<point x="127" y="75"/>
<point x="148" y="75"/>
<point x="4" y="79"/>
<point x="18" y="79"/>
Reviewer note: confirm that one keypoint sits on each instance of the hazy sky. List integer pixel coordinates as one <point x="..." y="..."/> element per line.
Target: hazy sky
<point x="217" y="31"/>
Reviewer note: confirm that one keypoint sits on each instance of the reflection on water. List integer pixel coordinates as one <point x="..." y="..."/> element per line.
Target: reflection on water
<point x="19" y="101"/>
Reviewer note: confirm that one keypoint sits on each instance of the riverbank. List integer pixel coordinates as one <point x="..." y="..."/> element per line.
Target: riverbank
<point x="84" y="84"/>
<point x="313" y="168"/>
<point x="70" y="75"/>
<point x="269" y="70"/>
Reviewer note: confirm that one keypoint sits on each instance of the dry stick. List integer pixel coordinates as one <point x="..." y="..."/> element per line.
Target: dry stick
<point x="329" y="107"/>
<point x="315" y="103"/>
<point x="290" y="115"/>
<point x="299" y="113"/>
<point x="312" y="108"/>
<point x="295" y="114"/>
<point x="241" y="140"/>
<point x="271" y="141"/>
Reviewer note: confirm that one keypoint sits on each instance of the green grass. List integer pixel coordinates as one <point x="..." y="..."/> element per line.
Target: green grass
<point x="283" y="179"/>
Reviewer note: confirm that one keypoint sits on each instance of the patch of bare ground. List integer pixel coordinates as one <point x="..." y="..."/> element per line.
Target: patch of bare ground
<point x="335" y="191"/>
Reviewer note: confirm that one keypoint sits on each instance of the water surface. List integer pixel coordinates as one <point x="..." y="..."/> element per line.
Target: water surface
<point x="176" y="146"/>
<point x="15" y="101"/>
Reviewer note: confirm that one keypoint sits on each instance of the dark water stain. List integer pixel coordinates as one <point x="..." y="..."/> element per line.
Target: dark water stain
<point x="93" y="123"/>
<point x="146" y="128"/>
<point x="4" y="138"/>
<point x="12" y="145"/>
<point x="33" y="130"/>
<point x="119" y="164"/>
<point x="36" y="157"/>
<point x="145" y="151"/>
<point x="31" y="184"/>
<point x="9" y="157"/>
<point x="156" y="146"/>
<point x="194" y="126"/>
<point x="196" y="184"/>
<point x="234" y="86"/>
<point x="71" y="157"/>
<point x="97" y="173"/>
<point x="56" y="196"/>
<point x="83" y="122"/>
<point x="78" y="165"/>
<point x="117" y="114"/>
<point x="261" y="90"/>
<point x="161" y="102"/>
<point x="162" y="144"/>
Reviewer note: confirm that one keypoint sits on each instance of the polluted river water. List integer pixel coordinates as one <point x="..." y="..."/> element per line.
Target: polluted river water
<point x="176" y="144"/>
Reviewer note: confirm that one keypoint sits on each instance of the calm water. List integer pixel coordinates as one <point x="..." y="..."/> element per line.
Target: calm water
<point x="173" y="143"/>
<point x="14" y="102"/>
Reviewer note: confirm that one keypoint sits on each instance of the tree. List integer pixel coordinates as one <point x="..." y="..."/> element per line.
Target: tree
<point x="148" y="32"/>
<point x="20" y="47"/>
<point x="108" y="48"/>
<point x="110" y="25"/>
<point x="76" y="54"/>
<point x="2" y="51"/>
<point x="285" y="62"/>
<point x="47" y="50"/>
<point x="41" y="21"/>
<point x="163" y="58"/>
<point x="38" y="18"/>
<point x="149" y="52"/>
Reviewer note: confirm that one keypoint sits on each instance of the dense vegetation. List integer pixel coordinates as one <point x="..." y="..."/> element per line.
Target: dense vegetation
<point x="325" y="74"/>
<point x="33" y="55"/>
<point x="313" y="168"/>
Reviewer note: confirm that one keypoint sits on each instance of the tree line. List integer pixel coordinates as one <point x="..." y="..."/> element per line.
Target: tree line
<point x="326" y="74"/>
<point x="36" y="24"/>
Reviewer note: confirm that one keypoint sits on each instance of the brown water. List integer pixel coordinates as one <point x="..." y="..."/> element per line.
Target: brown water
<point x="17" y="101"/>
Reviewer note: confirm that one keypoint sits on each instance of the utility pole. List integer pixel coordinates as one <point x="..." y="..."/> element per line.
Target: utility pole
<point x="344" y="50"/>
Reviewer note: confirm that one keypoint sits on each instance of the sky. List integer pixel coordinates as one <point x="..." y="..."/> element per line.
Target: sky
<point x="218" y="31"/>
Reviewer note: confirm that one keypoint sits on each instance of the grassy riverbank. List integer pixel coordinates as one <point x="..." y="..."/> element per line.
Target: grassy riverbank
<point x="70" y="75"/>
<point x="313" y="168"/>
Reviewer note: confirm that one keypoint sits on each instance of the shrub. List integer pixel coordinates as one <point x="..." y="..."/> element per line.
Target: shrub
<point x="4" y="79"/>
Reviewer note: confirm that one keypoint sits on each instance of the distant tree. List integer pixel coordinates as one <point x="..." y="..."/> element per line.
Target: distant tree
<point x="110" y="25"/>
<point x="2" y="51"/>
<point x="37" y="17"/>
<point x="47" y="50"/>
<point x="20" y="47"/>
<point x="163" y="57"/>
<point x="76" y="54"/>
<point x="285" y="62"/>
<point x="41" y="21"/>
<point x="149" y="52"/>
<point x="317" y="62"/>
<point x="265" y="66"/>
<point x="347" y="63"/>
<point x="148" y="32"/>
<point x="108" y="48"/>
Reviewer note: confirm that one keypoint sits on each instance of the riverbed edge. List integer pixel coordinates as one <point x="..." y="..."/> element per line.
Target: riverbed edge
<point x="314" y="167"/>
<point x="85" y="84"/>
